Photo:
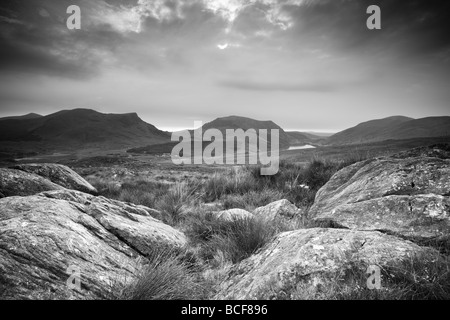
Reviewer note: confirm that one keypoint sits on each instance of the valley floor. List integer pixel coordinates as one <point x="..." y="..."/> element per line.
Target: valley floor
<point x="194" y="200"/>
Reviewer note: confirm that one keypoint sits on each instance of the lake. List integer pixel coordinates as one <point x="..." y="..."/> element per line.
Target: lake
<point x="301" y="147"/>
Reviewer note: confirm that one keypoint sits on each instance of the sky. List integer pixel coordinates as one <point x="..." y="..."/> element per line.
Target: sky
<point x="310" y="65"/>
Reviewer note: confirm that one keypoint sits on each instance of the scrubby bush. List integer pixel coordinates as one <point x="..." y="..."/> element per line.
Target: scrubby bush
<point x="235" y="240"/>
<point x="141" y="191"/>
<point x="168" y="275"/>
<point x="252" y="199"/>
<point x="174" y="202"/>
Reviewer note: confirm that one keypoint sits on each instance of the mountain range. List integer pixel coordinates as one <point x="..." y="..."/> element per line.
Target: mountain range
<point x="82" y="128"/>
<point x="85" y="128"/>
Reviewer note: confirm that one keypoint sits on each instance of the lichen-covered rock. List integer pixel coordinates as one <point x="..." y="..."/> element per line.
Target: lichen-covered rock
<point x="233" y="214"/>
<point x="406" y="194"/>
<point x="59" y="174"/>
<point x="132" y="223"/>
<point x="281" y="208"/>
<point x="415" y="217"/>
<point x="299" y="260"/>
<point x="84" y="198"/>
<point x="19" y="183"/>
<point x="41" y="237"/>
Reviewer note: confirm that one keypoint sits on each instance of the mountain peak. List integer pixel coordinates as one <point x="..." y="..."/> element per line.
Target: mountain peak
<point x="84" y="128"/>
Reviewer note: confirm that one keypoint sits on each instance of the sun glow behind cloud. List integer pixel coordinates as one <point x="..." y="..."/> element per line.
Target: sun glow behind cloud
<point x="222" y="46"/>
<point x="130" y="19"/>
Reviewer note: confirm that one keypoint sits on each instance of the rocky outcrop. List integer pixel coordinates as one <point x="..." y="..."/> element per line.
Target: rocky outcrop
<point x="19" y="183"/>
<point x="281" y="208"/>
<point x="406" y="194"/>
<point x="42" y="236"/>
<point x="84" y="198"/>
<point x="59" y="174"/>
<point x="304" y="260"/>
<point x="233" y="214"/>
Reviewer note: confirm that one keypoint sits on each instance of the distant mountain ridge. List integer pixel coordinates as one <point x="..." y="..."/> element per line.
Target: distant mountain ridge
<point x="26" y="116"/>
<point x="392" y="128"/>
<point x="81" y="128"/>
<point x="88" y="129"/>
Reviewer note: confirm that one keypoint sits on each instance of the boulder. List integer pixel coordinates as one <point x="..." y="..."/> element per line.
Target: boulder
<point x="299" y="261"/>
<point x="233" y="214"/>
<point x="406" y="194"/>
<point x="84" y="198"/>
<point x="281" y="208"/>
<point x="418" y="217"/>
<point x="19" y="183"/>
<point x="131" y="223"/>
<point x="59" y="174"/>
<point x="44" y="239"/>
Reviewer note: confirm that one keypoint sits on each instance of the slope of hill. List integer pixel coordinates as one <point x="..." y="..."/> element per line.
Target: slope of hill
<point x="365" y="132"/>
<point x="83" y="128"/>
<point x="393" y="128"/>
<point x="422" y="128"/>
<point x="301" y="138"/>
<point x="24" y="117"/>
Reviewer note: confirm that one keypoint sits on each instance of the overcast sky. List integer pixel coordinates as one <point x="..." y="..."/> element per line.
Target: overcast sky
<point x="305" y="64"/>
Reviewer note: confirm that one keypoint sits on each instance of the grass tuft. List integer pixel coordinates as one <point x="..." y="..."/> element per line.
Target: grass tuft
<point x="169" y="275"/>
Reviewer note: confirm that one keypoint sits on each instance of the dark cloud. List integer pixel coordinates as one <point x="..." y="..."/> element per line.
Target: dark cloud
<point x="412" y="28"/>
<point x="37" y="42"/>
<point x="34" y="39"/>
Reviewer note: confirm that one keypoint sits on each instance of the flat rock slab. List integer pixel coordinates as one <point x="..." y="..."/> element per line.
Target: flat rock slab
<point x="384" y="177"/>
<point x="416" y="217"/>
<point x="59" y="174"/>
<point x="405" y="194"/>
<point x="19" y="183"/>
<point x="304" y="258"/>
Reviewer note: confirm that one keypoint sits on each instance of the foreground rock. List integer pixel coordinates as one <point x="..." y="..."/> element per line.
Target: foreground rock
<point x="303" y="261"/>
<point x="87" y="199"/>
<point x="405" y="194"/>
<point x="131" y="223"/>
<point x="281" y="208"/>
<point x="42" y="236"/>
<point x="59" y="174"/>
<point x="18" y="183"/>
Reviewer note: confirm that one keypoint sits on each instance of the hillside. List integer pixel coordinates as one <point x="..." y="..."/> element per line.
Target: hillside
<point x="221" y="124"/>
<point x="24" y="117"/>
<point x="392" y="128"/>
<point x="235" y="122"/>
<point x="301" y="138"/>
<point x="82" y="128"/>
